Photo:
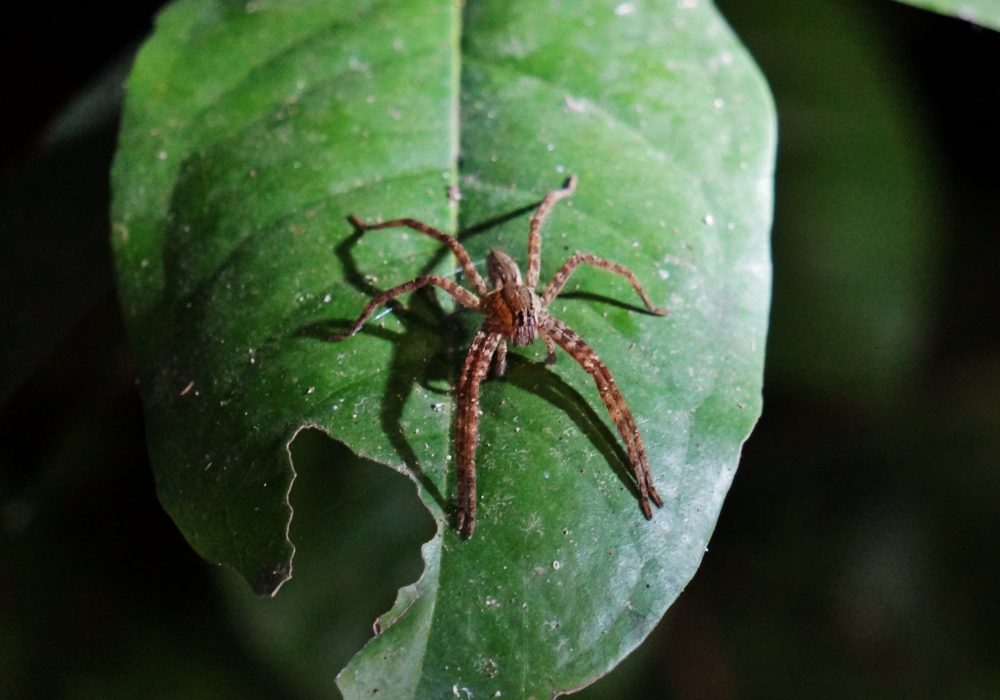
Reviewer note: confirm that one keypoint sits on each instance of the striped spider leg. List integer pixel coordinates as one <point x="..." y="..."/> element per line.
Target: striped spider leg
<point x="515" y="313"/>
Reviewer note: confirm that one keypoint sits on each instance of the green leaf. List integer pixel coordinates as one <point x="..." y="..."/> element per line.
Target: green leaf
<point x="252" y="131"/>
<point x="985" y="13"/>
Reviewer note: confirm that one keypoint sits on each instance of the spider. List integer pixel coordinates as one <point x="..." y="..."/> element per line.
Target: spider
<point x="516" y="314"/>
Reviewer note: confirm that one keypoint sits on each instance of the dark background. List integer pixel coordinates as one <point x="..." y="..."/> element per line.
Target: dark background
<point x="857" y="552"/>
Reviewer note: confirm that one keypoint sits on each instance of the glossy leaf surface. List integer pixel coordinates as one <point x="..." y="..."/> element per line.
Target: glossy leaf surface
<point x="982" y="12"/>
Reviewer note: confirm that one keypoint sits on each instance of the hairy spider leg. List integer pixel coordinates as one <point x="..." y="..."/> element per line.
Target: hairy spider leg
<point x="535" y="229"/>
<point x="562" y="275"/>
<point x="505" y="322"/>
<point x="574" y="345"/>
<point x="500" y="359"/>
<point x="550" y="359"/>
<point x="462" y="295"/>
<point x="477" y="364"/>
<point x="461" y="254"/>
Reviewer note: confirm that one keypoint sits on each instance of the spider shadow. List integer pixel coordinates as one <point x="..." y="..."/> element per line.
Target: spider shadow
<point x="604" y="301"/>
<point x="429" y="340"/>
<point x="422" y="354"/>
<point x="419" y="357"/>
<point x="538" y="379"/>
<point x="427" y="351"/>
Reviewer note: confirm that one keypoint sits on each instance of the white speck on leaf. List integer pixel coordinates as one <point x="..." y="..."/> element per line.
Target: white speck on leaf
<point x="575" y="105"/>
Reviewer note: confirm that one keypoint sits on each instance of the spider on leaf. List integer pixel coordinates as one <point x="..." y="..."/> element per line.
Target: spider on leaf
<point x="517" y="314"/>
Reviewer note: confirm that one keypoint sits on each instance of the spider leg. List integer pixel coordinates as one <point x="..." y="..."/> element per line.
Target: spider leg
<point x="559" y="279"/>
<point x="500" y="360"/>
<point x="462" y="295"/>
<point x="461" y="254"/>
<point x="535" y="229"/>
<point x="477" y="364"/>
<point x="550" y="359"/>
<point x="573" y="344"/>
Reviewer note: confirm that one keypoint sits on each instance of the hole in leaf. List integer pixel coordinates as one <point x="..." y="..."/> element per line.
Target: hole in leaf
<point x="357" y="528"/>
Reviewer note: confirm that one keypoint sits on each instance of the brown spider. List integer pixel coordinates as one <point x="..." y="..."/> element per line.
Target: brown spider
<point x="516" y="313"/>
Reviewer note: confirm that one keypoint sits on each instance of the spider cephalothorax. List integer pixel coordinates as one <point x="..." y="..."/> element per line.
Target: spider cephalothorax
<point x="511" y="309"/>
<point x="515" y="313"/>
